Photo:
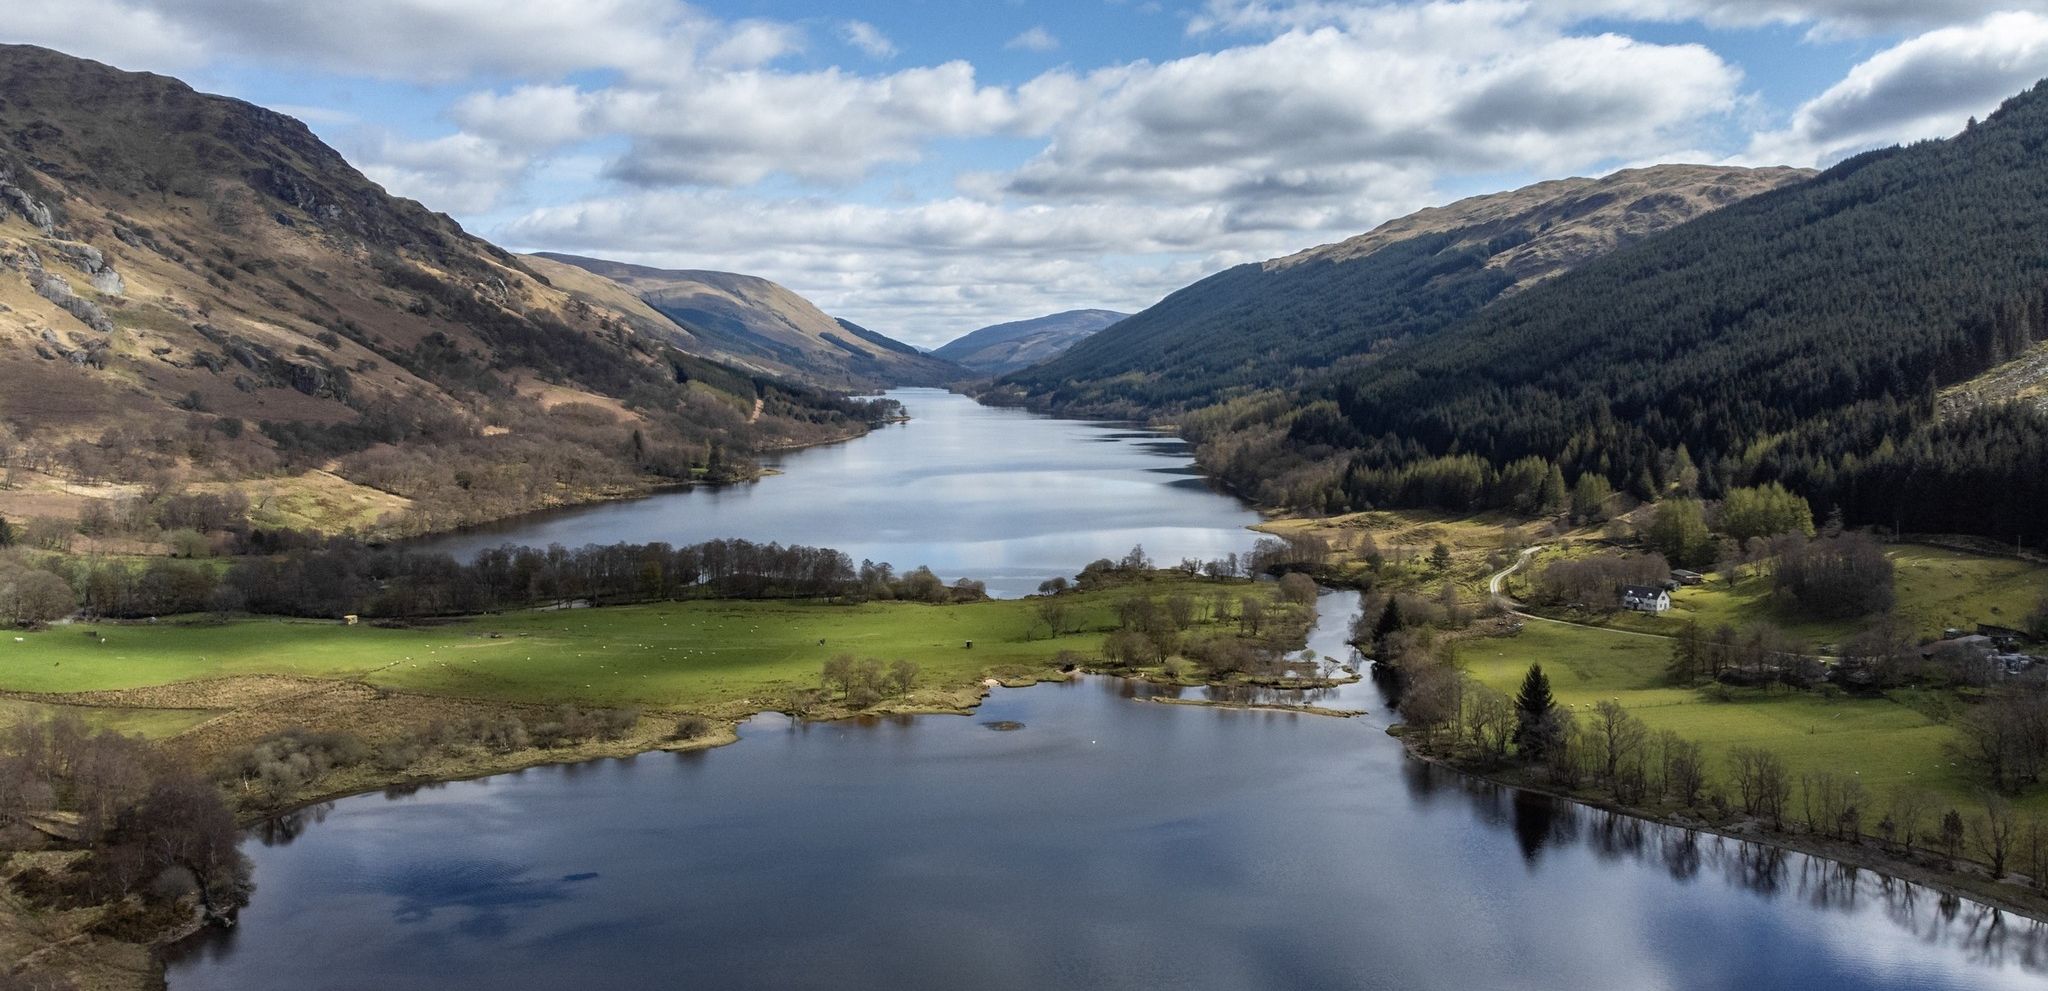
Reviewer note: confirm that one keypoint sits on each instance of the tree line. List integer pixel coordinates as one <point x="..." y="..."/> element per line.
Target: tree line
<point x="1613" y="752"/>
<point x="153" y="831"/>
<point x="342" y="576"/>
<point x="1800" y="337"/>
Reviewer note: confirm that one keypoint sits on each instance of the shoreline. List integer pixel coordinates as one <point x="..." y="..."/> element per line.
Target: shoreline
<point x="634" y="495"/>
<point x="2016" y="899"/>
<point x="2013" y="898"/>
<point x="969" y="699"/>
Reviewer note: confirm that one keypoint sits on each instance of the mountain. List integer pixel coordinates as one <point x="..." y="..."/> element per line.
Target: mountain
<point x="1287" y="320"/>
<point x="755" y="323"/>
<point x="1007" y="347"/>
<point x="195" y="292"/>
<point x="1806" y="336"/>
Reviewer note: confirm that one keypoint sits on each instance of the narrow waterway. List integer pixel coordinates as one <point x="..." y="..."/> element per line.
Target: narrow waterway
<point x="1109" y="842"/>
<point x="1000" y="495"/>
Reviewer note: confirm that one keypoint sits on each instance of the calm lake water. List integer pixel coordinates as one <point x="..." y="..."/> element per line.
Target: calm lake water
<point x="1111" y="842"/>
<point x="1009" y="497"/>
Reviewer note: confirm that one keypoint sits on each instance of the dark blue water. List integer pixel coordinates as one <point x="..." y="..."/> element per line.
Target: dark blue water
<point x="1112" y="842"/>
<point x="1001" y="495"/>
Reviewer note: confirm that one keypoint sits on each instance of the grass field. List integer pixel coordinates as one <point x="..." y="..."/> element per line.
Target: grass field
<point x="150" y="723"/>
<point x="1936" y="588"/>
<point x="703" y="656"/>
<point x="1882" y="741"/>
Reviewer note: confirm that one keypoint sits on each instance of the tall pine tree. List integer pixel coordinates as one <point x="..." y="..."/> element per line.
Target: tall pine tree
<point x="1534" y="706"/>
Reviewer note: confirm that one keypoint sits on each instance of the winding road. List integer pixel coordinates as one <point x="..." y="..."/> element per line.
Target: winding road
<point x="1496" y="584"/>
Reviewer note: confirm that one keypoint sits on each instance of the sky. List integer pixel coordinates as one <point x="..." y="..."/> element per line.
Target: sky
<point x="926" y="168"/>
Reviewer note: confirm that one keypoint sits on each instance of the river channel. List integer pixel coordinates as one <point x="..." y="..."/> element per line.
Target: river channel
<point x="1067" y="835"/>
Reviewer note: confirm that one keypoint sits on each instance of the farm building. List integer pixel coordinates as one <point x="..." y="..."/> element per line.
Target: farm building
<point x="1645" y="598"/>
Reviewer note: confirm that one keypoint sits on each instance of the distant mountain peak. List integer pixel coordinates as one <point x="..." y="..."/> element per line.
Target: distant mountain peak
<point x="1007" y="347"/>
<point x="760" y="324"/>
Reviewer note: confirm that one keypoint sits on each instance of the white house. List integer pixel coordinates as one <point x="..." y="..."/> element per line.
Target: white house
<point x="1645" y="598"/>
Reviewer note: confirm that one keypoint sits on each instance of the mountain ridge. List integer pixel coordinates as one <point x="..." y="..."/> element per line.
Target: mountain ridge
<point x="1280" y="322"/>
<point x="196" y="290"/>
<point x="1017" y="344"/>
<point x="758" y="323"/>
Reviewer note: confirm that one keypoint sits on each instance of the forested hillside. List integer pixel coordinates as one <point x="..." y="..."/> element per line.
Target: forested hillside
<point x="196" y="293"/>
<point x="1801" y="336"/>
<point x="1286" y="322"/>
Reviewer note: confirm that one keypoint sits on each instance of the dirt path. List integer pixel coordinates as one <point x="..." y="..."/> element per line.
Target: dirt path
<point x="1500" y="598"/>
<point x="1499" y="579"/>
<point x="755" y="416"/>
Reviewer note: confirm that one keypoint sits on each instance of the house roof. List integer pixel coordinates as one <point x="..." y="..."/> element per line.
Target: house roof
<point x="1642" y="591"/>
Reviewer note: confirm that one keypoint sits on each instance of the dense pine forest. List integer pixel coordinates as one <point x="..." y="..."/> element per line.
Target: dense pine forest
<point x="1289" y="321"/>
<point x="1251" y="327"/>
<point x="1801" y="335"/>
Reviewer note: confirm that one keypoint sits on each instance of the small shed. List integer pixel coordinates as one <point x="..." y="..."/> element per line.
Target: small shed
<point x="1645" y="598"/>
<point x="350" y="620"/>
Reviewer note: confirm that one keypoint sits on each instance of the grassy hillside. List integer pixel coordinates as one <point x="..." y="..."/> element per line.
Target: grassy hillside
<point x="1287" y="321"/>
<point x="197" y="290"/>
<point x="1008" y="347"/>
<point x="756" y="323"/>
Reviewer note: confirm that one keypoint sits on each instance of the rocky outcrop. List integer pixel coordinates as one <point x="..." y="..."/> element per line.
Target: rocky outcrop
<point x="31" y="209"/>
<point x="266" y="368"/>
<point x="94" y="264"/>
<point x="56" y="290"/>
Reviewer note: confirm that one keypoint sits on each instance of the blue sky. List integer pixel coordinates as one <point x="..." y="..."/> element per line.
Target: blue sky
<point x="927" y="168"/>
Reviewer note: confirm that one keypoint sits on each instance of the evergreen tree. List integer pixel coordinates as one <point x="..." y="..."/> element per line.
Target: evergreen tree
<point x="1554" y="495"/>
<point x="1391" y="621"/>
<point x="1589" y="496"/>
<point x="1534" y="707"/>
<point x="1679" y="532"/>
<point x="1440" y="557"/>
<point x="6" y="532"/>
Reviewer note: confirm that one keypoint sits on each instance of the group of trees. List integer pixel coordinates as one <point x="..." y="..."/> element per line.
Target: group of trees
<point x="342" y="576"/>
<point x="2005" y="737"/>
<point x="153" y="828"/>
<point x="1594" y="579"/>
<point x="1614" y="751"/>
<point x="276" y="769"/>
<point x="31" y="596"/>
<point x="1757" y="653"/>
<point x="864" y="681"/>
<point x="1800" y="338"/>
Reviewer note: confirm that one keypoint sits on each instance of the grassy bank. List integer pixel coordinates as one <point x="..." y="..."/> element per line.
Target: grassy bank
<point x="1935" y="587"/>
<point x="206" y="687"/>
<point x="1883" y="741"/>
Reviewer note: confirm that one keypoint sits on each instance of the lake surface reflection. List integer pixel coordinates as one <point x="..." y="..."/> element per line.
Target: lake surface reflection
<point x="1076" y="835"/>
<point x="1001" y="495"/>
<point x="1107" y="843"/>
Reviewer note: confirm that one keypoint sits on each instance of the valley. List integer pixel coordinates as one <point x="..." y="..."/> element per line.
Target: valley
<point x="1643" y="570"/>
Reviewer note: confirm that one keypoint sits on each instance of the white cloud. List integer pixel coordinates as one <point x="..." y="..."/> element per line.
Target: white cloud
<point x="430" y="40"/>
<point x="1153" y="173"/>
<point x="1037" y="39"/>
<point x="678" y="137"/>
<point x="1299" y="116"/>
<point x="1824" y="17"/>
<point x="114" y="31"/>
<point x="461" y="173"/>
<point x="738" y="127"/>
<point x="1927" y="86"/>
<point x="929" y="271"/>
<point x="868" y="38"/>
